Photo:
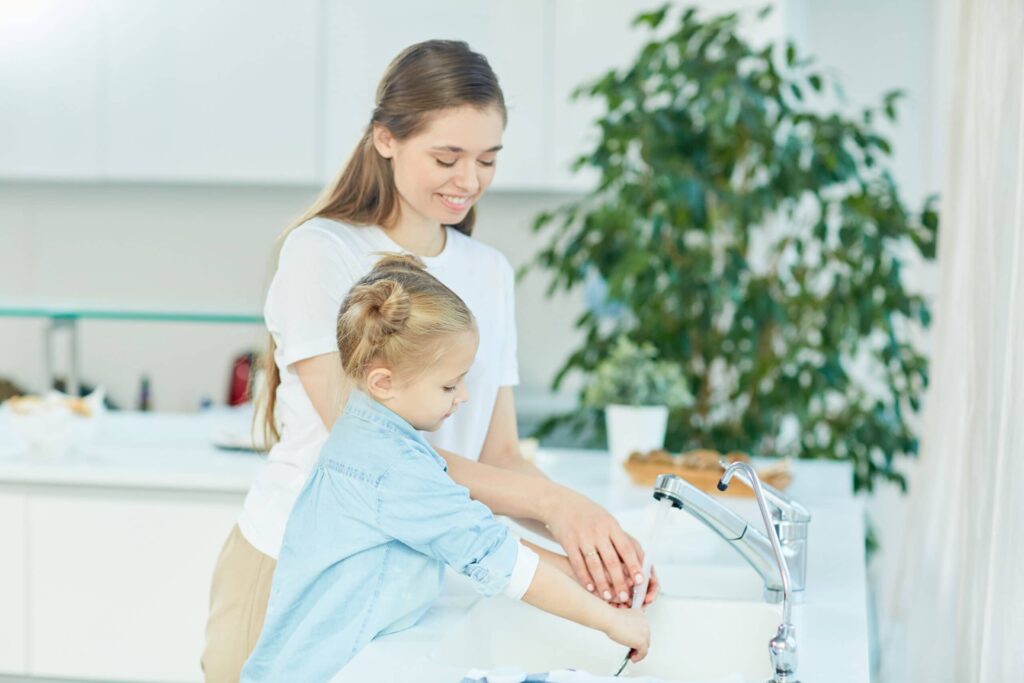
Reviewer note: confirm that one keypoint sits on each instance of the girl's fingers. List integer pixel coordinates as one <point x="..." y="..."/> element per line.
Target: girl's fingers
<point x="653" y="588"/>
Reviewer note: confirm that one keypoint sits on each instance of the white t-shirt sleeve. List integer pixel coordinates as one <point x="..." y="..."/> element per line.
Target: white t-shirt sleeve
<point x="314" y="274"/>
<point x="509" y="363"/>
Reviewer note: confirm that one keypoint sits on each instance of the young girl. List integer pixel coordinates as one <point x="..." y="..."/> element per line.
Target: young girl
<point x="428" y="154"/>
<point x="367" y="541"/>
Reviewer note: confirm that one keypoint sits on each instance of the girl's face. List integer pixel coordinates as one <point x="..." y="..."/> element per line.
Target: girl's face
<point x="442" y="171"/>
<point x="436" y="393"/>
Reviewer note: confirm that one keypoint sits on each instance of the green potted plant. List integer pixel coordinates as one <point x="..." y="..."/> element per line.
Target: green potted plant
<point x="752" y="234"/>
<point x="636" y="391"/>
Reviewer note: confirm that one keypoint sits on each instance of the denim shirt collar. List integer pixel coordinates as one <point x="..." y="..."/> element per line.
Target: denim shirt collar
<point x="363" y="406"/>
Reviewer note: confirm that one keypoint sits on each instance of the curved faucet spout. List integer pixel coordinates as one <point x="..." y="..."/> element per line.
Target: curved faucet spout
<point x="746" y="540"/>
<point x="783" y="567"/>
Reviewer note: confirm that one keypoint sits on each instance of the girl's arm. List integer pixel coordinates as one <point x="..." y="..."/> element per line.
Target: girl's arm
<point x="554" y="592"/>
<point x="556" y="560"/>
<point x="578" y="524"/>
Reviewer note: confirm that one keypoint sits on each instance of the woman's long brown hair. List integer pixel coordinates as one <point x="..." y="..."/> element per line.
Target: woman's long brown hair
<point x="423" y="80"/>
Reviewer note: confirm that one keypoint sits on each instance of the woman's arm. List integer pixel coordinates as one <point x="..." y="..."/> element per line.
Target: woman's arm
<point x="323" y="380"/>
<point x="501" y="446"/>
<point x="578" y="524"/>
<point x="601" y="554"/>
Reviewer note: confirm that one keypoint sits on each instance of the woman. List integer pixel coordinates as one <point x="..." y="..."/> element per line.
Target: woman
<point x="424" y="160"/>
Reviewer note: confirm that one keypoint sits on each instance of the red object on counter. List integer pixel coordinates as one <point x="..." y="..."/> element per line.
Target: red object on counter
<point x="241" y="379"/>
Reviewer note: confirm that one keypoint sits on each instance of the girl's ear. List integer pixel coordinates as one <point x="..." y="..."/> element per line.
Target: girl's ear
<point x="383" y="141"/>
<point x="379" y="384"/>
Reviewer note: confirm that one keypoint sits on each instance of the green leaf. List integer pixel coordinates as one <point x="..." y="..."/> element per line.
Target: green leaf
<point x="704" y="156"/>
<point x="652" y="19"/>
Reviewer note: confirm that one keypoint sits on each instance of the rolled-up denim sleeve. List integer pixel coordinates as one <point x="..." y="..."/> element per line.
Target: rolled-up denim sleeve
<point x="422" y="507"/>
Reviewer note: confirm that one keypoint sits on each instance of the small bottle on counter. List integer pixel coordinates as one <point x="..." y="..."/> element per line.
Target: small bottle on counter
<point x="144" y="394"/>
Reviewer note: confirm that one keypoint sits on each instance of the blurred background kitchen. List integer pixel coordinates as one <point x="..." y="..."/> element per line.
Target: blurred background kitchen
<point x="151" y="151"/>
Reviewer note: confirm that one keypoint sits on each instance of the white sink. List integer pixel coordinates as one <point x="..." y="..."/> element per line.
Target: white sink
<point x="735" y="581"/>
<point x="691" y="640"/>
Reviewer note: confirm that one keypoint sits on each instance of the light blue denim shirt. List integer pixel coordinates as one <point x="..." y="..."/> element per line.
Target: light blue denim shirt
<point x="366" y="544"/>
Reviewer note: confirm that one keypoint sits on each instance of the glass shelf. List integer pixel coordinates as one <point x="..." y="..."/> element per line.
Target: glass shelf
<point x="66" y="316"/>
<point x="72" y="312"/>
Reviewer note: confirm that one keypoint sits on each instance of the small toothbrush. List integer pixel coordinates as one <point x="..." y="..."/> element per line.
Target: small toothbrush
<point x="639" y="593"/>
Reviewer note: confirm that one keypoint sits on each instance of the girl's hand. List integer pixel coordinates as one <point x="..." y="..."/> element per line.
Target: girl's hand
<point x="604" y="558"/>
<point x="653" y="588"/>
<point x="629" y="627"/>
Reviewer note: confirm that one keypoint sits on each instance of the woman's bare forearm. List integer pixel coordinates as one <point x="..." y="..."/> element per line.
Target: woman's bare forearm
<point x="505" y="491"/>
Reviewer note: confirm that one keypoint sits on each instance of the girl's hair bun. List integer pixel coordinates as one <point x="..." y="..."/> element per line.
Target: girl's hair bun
<point x="397" y="314"/>
<point x="387" y="307"/>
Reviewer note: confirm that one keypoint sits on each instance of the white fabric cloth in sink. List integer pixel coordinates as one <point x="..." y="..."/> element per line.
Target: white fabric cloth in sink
<point x="570" y="676"/>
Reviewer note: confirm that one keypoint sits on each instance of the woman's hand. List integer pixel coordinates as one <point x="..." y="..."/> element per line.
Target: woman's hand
<point x="605" y="559"/>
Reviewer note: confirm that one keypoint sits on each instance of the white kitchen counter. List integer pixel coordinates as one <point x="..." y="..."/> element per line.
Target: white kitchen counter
<point x="164" y="451"/>
<point x="168" y="463"/>
<point x="831" y="623"/>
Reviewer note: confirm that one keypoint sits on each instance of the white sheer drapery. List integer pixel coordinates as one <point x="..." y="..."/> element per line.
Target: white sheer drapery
<point x="957" y="615"/>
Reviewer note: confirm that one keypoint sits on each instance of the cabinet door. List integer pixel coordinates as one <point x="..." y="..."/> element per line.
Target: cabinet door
<point x="49" y="78"/>
<point x="363" y="37"/>
<point x="120" y="585"/>
<point x="211" y="91"/>
<point x="13" y="584"/>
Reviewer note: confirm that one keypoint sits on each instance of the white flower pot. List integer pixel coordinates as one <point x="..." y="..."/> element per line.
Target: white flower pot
<point x="634" y="428"/>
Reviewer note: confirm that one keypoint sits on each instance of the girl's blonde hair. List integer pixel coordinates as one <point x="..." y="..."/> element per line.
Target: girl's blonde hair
<point x="398" y="316"/>
<point x="423" y="80"/>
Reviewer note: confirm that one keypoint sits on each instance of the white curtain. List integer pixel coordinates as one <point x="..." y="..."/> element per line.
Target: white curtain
<point x="956" y="607"/>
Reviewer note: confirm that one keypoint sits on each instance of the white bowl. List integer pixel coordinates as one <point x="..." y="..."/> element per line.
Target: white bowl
<point x="48" y="428"/>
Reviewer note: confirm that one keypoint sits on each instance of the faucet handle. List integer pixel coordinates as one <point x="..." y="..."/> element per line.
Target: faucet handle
<point x="788" y="509"/>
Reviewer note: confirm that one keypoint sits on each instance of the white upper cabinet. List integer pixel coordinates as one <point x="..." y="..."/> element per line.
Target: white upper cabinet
<point x="590" y="38"/>
<point x="363" y="37"/>
<point x="271" y="92"/>
<point x="49" y="78"/>
<point x="211" y="91"/>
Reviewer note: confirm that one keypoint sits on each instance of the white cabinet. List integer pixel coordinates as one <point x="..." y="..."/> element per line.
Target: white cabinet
<point x="590" y="38"/>
<point x="211" y="91"/>
<point x="363" y="37"/>
<point x="13" y="584"/>
<point x="49" y="86"/>
<point x="120" y="583"/>
<point x="271" y="92"/>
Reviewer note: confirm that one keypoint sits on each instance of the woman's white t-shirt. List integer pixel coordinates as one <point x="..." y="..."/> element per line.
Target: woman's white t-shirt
<point x="319" y="263"/>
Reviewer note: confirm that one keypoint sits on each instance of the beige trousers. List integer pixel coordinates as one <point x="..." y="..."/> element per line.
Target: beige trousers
<point x="238" y="604"/>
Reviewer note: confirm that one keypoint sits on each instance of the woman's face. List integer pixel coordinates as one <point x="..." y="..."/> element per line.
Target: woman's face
<point x="441" y="172"/>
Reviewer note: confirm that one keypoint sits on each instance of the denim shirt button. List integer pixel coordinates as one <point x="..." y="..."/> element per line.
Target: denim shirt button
<point x="479" y="573"/>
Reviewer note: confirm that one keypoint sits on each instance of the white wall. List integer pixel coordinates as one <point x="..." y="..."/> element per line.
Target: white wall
<point x="209" y="246"/>
<point x="196" y="247"/>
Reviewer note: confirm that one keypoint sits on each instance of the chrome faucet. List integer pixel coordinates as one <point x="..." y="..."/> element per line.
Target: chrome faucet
<point x="789" y="518"/>
<point x="782" y="648"/>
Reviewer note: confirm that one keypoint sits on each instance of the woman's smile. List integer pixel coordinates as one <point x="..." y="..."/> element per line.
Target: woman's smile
<point x="456" y="203"/>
